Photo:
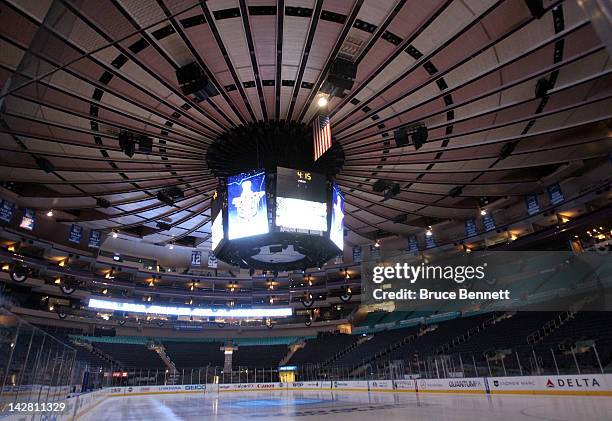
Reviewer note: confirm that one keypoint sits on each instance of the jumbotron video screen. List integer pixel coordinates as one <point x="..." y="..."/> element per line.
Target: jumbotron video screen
<point x="301" y="201"/>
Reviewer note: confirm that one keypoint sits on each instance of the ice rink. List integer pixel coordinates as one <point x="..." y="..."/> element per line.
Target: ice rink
<point x="323" y="405"/>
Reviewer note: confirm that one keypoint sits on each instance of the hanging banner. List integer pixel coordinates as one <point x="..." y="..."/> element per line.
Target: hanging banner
<point x="555" y="194"/>
<point x="339" y="259"/>
<point x="212" y="260"/>
<point x="413" y="244"/>
<point x="27" y="221"/>
<point x="470" y="228"/>
<point x="374" y="252"/>
<point x="357" y="254"/>
<point x="430" y="242"/>
<point x="6" y="210"/>
<point x="533" y="206"/>
<point x="95" y="238"/>
<point x="196" y="258"/>
<point x="488" y="222"/>
<point x="75" y="234"/>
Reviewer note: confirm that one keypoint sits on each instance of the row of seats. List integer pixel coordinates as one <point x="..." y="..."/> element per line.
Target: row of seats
<point x="322" y="348"/>
<point x="132" y="355"/>
<point x="489" y="334"/>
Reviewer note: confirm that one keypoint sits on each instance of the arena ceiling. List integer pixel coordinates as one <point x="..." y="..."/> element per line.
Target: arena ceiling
<point x="75" y="73"/>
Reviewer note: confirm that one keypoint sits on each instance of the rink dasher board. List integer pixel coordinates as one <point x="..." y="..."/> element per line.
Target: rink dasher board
<point x="568" y="385"/>
<point x="126" y="391"/>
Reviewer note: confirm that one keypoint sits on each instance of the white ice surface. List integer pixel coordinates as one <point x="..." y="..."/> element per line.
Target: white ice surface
<point x="327" y="405"/>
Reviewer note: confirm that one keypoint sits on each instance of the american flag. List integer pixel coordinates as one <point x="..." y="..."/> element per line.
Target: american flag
<point x="321" y="130"/>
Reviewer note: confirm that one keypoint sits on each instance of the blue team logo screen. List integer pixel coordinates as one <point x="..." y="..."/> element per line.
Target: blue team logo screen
<point x="247" y="206"/>
<point x="336" y="234"/>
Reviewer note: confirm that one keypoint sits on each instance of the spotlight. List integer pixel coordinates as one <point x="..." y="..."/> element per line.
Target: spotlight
<point x="171" y="246"/>
<point x="376" y="243"/>
<point x="50" y="213"/>
<point x="483" y="212"/>
<point x="322" y="102"/>
<point x="429" y="232"/>
<point x="114" y="234"/>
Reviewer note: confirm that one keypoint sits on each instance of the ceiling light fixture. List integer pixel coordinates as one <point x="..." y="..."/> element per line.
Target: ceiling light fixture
<point x="50" y="213"/>
<point x="322" y="101"/>
<point x="429" y="232"/>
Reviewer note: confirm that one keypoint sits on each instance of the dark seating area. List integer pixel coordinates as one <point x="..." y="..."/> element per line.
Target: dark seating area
<point x="259" y="356"/>
<point x="132" y="355"/>
<point x="194" y="354"/>
<point x="94" y="361"/>
<point x="439" y="335"/>
<point x="378" y="343"/>
<point x="322" y="348"/>
<point x="584" y="326"/>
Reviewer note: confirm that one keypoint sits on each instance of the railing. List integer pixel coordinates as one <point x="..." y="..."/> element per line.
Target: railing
<point x="524" y="361"/>
<point x="35" y="366"/>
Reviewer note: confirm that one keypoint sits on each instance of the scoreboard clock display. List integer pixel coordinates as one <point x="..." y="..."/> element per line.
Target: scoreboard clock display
<point x="298" y="184"/>
<point x="301" y="200"/>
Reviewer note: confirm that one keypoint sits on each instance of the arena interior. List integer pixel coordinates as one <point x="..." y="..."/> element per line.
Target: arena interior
<point x="305" y="209"/>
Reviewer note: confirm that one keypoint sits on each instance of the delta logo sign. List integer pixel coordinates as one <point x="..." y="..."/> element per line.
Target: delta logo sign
<point x="573" y="383"/>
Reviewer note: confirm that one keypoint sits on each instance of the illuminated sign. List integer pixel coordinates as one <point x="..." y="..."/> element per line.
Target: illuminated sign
<point x="300" y="200"/>
<point x="247" y="205"/>
<point x="336" y="232"/>
<point x="188" y="311"/>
